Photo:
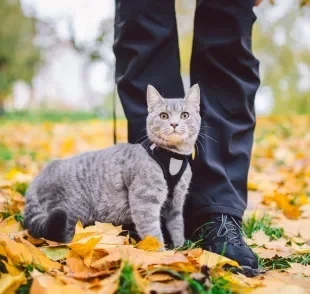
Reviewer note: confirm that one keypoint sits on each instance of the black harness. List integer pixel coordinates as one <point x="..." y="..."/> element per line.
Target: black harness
<point x="172" y="164"/>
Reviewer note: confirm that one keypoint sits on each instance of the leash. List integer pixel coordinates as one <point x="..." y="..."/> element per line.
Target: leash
<point x="114" y="115"/>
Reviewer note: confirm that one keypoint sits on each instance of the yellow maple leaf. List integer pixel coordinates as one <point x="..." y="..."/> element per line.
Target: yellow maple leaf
<point x="213" y="260"/>
<point x="149" y="243"/>
<point x="85" y="247"/>
<point x="291" y="211"/>
<point x="9" y="284"/>
<point x="10" y="225"/>
<point x="39" y="258"/>
<point x="17" y="252"/>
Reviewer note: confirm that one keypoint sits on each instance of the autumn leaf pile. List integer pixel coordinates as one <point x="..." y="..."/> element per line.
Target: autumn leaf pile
<point x="102" y="260"/>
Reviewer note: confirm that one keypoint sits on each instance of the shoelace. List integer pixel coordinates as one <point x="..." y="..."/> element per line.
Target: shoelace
<point x="229" y="226"/>
<point x="225" y="227"/>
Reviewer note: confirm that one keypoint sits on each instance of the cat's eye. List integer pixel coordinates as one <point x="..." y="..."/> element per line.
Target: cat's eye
<point x="184" y="115"/>
<point x="164" y="115"/>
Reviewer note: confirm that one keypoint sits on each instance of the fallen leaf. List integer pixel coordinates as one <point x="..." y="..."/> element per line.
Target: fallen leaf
<point x="168" y="288"/>
<point x="270" y="253"/>
<point x="39" y="258"/>
<point x="149" y="243"/>
<point x="9" y="284"/>
<point x="260" y="238"/>
<point x="55" y="253"/>
<point x="213" y="260"/>
<point x="279" y="244"/>
<point x="49" y="285"/>
<point x="297" y="268"/>
<point x="85" y="247"/>
<point x="139" y="258"/>
<point x="10" y="225"/>
<point x="292" y="212"/>
<point x="17" y="252"/>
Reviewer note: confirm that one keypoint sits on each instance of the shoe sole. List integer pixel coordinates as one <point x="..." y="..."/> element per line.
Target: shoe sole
<point x="245" y="270"/>
<point x="250" y="272"/>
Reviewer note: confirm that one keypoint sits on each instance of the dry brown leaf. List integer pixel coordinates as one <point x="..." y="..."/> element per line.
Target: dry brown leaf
<point x="279" y="244"/>
<point x="49" y="285"/>
<point x="279" y="287"/>
<point x="150" y="243"/>
<point x="297" y="268"/>
<point x="270" y="253"/>
<point x="139" y="258"/>
<point x="77" y="268"/>
<point x="304" y="231"/>
<point x="260" y="238"/>
<point x="282" y="282"/>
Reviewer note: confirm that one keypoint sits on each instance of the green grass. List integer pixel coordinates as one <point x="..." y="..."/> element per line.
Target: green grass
<point x="24" y="289"/>
<point x="45" y="115"/>
<point x="304" y="259"/>
<point x="5" y="153"/>
<point x="253" y="225"/>
<point x="127" y="283"/>
<point x="19" y="218"/>
<point x="188" y="244"/>
<point x="219" y="286"/>
<point x="282" y="263"/>
<point x="21" y="188"/>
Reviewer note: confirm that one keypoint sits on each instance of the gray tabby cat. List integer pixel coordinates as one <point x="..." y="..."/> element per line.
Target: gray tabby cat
<point x="121" y="184"/>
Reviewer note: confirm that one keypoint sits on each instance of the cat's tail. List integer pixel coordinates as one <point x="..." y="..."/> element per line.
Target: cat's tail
<point x="55" y="226"/>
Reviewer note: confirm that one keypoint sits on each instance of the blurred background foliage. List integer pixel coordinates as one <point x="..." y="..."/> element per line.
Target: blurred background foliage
<point x="47" y="64"/>
<point x="19" y="56"/>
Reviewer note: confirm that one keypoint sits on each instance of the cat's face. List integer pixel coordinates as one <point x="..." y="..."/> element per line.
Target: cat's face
<point x="174" y="123"/>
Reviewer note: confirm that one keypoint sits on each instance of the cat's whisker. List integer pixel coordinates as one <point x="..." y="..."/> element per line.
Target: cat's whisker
<point x="197" y="149"/>
<point x="212" y="139"/>
<point x="204" y="135"/>
<point x="201" y="145"/>
<point x="142" y="130"/>
<point x="142" y="138"/>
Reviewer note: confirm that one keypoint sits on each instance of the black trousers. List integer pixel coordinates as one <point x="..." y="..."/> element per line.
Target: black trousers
<point x="147" y="52"/>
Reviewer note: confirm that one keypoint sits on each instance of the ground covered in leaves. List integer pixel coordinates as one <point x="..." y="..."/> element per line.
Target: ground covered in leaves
<point x="99" y="260"/>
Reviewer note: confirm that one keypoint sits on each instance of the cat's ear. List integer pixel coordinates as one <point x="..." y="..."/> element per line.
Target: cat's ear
<point x="153" y="98"/>
<point x="193" y="96"/>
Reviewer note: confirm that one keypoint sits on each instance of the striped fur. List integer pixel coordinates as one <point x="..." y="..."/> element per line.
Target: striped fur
<point x="120" y="184"/>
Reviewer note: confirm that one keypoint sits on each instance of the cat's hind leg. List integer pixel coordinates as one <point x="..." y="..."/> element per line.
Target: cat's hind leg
<point x="59" y="226"/>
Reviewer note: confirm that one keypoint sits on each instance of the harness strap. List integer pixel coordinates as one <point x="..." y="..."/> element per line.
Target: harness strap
<point x="172" y="164"/>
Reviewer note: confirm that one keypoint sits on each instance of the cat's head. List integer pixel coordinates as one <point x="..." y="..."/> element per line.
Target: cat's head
<point x="174" y="123"/>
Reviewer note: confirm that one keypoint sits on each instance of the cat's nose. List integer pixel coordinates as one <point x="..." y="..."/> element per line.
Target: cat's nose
<point x="174" y="125"/>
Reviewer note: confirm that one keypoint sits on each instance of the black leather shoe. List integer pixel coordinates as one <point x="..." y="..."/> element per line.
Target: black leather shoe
<point x="222" y="234"/>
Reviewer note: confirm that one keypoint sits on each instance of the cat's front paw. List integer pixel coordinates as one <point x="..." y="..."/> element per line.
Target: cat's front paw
<point x="179" y="242"/>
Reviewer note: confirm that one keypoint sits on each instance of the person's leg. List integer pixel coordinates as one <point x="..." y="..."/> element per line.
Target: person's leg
<point x="147" y="52"/>
<point x="227" y="72"/>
